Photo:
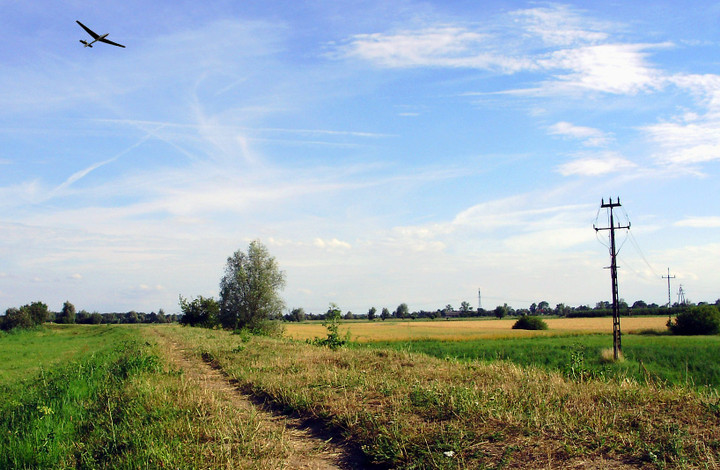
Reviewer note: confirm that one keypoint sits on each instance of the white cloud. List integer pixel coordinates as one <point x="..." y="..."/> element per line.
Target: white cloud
<point x="576" y="50"/>
<point x="560" y="26"/>
<point x="333" y="244"/>
<point x="596" y="165"/>
<point x="589" y="136"/>
<point x="699" y="222"/>
<point x="441" y="46"/>
<point x="608" y="68"/>
<point x="686" y="142"/>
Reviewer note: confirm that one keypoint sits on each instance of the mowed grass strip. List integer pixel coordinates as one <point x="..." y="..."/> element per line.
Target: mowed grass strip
<point x="23" y="353"/>
<point x="466" y="329"/>
<point x="123" y="406"/>
<point x="413" y="411"/>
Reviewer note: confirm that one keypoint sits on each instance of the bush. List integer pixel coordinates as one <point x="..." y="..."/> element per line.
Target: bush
<point x="699" y="320"/>
<point x="527" y="322"/>
<point x="202" y="311"/>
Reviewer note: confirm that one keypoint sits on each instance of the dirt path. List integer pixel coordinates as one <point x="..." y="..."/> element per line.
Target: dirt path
<point x="309" y="447"/>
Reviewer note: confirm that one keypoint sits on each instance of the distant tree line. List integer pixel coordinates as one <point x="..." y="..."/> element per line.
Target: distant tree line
<point x="37" y="313"/>
<point x="543" y="308"/>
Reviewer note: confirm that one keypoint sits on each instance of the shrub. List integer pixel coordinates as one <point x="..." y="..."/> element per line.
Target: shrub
<point x="332" y="323"/>
<point x="699" y="320"/>
<point x="527" y="322"/>
<point x="202" y="311"/>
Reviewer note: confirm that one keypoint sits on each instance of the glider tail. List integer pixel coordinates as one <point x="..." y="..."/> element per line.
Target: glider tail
<point x="86" y="43"/>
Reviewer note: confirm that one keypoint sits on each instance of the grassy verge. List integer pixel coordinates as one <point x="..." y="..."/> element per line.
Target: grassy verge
<point x="664" y="359"/>
<point x="122" y="406"/>
<point x="414" y="411"/>
<point x="23" y="353"/>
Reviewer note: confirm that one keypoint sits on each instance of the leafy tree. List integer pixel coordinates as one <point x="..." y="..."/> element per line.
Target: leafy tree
<point x="83" y="316"/>
<point x="542" y="307"/>
<point x="67" y="314"/>
<point x="202" y="311"/>
<point x="16" y="318"/>
<point x="698" y="320"/>
<point x="502" y="310"/>
<point x="249" y="290"/>
<point x="465" y="308"/>
<point x="371" y="313"/>
<point x="96" y="318"/>
<point x="132" y="317"/>
<point x="402" y="311"/>
<point x="561" y="310"/>
<point x="161" y="318"/>
<point x="385" y="314"/>
<point x="297" y="314"/>
<point x="38" y="312"/>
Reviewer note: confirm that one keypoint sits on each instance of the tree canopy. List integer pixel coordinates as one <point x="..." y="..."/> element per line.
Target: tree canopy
<point x="249" y="290"/>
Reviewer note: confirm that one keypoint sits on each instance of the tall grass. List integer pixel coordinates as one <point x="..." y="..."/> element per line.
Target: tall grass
<point x="410" y="410"/>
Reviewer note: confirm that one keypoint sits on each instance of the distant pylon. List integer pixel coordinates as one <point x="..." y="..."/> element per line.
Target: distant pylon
<point x="681" y="296"/>
<point x="479" y="300"/>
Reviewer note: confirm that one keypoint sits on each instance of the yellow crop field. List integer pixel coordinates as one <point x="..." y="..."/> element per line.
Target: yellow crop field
<point x="469" y="329"/>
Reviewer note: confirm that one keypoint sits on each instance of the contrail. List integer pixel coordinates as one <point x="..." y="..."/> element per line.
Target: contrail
<point x="82" y="173"/>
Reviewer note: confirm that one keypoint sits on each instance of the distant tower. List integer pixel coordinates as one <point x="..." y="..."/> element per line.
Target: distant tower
<point x="479" y="300"/>
<point x="681" y="295"/>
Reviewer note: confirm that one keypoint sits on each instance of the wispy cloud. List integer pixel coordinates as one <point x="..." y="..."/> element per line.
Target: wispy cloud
<point x="699" y="222"/>
<point x="439" y="46"/>
<point x="589" y="136"/>
<point x="596" y="165"/>
<point x="577" y="51"/>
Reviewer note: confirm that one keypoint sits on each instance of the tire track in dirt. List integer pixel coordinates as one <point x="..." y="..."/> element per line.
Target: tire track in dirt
<point x="310" y="447"/>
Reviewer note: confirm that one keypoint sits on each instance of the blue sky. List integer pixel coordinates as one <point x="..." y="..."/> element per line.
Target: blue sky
<point x="384" y="152"/>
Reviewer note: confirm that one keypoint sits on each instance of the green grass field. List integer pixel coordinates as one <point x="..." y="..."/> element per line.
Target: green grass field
<point x="101" y="396"/>
<point x="661" y="359"/>
<point x="116" y="397"/>
<point x="24" y="352"/>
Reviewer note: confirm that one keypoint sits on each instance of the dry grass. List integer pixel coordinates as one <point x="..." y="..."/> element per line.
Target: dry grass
<point x="411" y="411"/>
<point x="211" y="430"/>
<point x="469" y="329"/>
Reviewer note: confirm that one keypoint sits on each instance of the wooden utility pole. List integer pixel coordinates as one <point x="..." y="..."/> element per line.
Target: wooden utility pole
<point x="668" y="277"/>
<point x="617" y="346"/>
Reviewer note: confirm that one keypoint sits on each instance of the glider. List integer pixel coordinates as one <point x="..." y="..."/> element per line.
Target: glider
<point x="96" y="37"/>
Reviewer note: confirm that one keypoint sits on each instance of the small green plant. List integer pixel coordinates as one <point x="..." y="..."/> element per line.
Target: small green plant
<point x="332" y="323"/>
<point x="527" y="322"/>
